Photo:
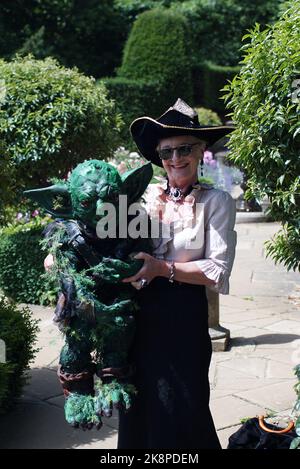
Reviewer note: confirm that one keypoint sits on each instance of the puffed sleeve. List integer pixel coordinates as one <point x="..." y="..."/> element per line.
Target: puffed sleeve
<point x="220" y="242"/>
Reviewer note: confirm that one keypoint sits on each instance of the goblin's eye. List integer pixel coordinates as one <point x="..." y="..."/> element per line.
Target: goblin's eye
<point x="85" y="203"/>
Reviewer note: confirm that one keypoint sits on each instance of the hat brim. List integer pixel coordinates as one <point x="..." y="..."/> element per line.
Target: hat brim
<point x="146" y="132"/>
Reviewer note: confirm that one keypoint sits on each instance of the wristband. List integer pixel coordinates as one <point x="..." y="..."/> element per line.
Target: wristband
<point x="172" y="271"/>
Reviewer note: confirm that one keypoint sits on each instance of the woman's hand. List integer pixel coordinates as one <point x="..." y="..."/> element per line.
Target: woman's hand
<point x="152" y="268"/>
<point x="48" y="262"/>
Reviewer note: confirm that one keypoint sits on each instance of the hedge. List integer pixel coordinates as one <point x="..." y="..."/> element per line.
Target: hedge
<point x="18" y="331"/>
<point x="22" y="266"/>
<point x="133" y="98"/>
<point x="215" y="77"/>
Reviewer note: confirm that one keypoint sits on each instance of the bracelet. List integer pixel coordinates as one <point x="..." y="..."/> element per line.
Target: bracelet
<point x="172" y="271"/>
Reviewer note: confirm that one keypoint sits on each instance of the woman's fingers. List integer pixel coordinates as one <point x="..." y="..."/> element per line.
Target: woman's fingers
<point x="142" y="255"/>
<point x="135" y="277"/>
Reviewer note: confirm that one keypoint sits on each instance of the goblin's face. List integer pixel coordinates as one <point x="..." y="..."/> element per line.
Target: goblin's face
<point x="91" y="184"/>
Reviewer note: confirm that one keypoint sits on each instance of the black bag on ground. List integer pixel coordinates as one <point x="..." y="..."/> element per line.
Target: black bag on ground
<point x="254" y="434"/>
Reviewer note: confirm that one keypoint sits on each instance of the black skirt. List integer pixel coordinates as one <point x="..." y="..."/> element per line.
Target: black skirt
<point x="172" y="353"/>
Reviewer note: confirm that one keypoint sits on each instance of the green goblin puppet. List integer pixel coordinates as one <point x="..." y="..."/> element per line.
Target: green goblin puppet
<point x="95" y="310"/>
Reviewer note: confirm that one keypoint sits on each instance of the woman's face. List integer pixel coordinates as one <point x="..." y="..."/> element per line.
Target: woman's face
<point x="182" y="170"/>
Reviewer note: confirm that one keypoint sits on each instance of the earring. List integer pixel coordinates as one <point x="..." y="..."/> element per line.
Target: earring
<point x="167" y="185"/>
<point x="201" y="168"/>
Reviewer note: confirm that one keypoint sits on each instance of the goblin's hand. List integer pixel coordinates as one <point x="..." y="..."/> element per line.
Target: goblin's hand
<point x="115" y="270"/>
<point x="151" y="268"/>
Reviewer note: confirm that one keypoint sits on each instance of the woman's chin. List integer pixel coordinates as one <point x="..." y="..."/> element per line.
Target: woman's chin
<point x="181" y="174"/>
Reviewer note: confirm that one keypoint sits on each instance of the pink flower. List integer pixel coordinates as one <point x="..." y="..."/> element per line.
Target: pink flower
<point x="207" y="157"/>
<point x="35" y="213"/>
<point x="122" y="168"/>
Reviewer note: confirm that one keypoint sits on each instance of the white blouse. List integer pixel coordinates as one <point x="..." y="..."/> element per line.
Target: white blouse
<point x="199" y="229"/>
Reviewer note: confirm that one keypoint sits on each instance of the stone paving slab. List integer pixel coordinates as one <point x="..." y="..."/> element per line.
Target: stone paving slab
<point x="277" y="397"/>
<point x="254" y="376"/>
<point x="35" y="424"/>
<point x="230" y="380"/>
<point x="229" y="410"/>
<point x="43" y="384"/>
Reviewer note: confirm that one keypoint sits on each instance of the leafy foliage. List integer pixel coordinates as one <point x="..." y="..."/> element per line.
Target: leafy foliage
<point x="217" y="26"/>
<point x="266" y="141"/>
<point x="18" y="331"/>
<point x="208" y="117"/>
<point x="88" y="34"/>
<point x="296" y="441"/>
<point x="21" y="264"/>
<point x="7" y="194"/>
<point x="51" y="118"/>
<point x="157" y="51"/>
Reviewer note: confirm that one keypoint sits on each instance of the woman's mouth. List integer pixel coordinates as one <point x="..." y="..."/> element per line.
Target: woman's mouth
<point x="180" y="167"/>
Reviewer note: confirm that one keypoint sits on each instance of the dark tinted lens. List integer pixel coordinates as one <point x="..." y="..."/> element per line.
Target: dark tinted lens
<point x="184" y="150"/>
<point x="165" y="153"/>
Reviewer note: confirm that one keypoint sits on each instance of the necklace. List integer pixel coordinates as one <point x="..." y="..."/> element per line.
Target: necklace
<point x="176" y="194"/>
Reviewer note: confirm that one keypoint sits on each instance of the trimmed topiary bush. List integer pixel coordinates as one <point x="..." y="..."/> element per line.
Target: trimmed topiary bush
<point x="265" y="100"/>
<point x="51" y="118"/>
<point x="18" y="332"/>
<point x="207" y="116"/>
<point x="157" y="51"/>
<point x="22" y="264"/>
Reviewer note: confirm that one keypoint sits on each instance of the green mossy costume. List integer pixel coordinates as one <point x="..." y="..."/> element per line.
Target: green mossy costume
<point x="95" y="309"/>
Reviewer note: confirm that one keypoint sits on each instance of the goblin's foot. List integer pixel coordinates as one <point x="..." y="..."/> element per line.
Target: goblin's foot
<point x="114" y="395"/>
<point x="82" y="411"/>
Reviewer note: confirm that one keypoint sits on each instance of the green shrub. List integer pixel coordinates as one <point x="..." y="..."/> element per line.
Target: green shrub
<point x="207" y="116"/>
<point x="266" y="142"/>
<point x="215" y="77"/>
<point x="21" y="264"/>
<point x="157" y="51"/>
<point x="7" y="195"/>
<point x="217" y="27"/>
<point x="51" y="118"/>
<point x="88" y="34"/>
<point x="133" y="98"/>
<point x="18" y="331"/>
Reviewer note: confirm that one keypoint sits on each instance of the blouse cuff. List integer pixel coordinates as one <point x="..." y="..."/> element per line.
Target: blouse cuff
<point x="213" y="272"/>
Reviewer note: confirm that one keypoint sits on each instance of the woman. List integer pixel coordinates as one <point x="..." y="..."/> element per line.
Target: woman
<point x="194" y="249"/>
<point x="172" y="350"/>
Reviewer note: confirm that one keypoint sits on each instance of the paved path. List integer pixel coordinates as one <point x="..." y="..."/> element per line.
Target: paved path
<point x="254" y="376"/>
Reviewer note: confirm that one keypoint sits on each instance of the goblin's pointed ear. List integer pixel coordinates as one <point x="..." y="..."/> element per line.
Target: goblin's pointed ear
<point x="136" y="181"/>
<point x="55" y="200"/>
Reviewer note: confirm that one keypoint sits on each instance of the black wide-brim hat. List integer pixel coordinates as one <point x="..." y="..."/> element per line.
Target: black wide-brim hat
<point x="180" y="119"/>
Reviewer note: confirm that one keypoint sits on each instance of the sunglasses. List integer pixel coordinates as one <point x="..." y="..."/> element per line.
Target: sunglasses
<point x="182" y="150"/>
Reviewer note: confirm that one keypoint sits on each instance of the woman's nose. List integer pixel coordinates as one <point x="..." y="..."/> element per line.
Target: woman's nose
<point x="175" y="154"/>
